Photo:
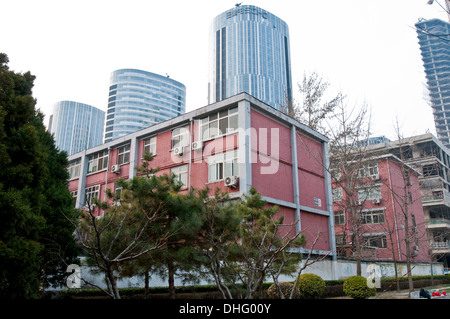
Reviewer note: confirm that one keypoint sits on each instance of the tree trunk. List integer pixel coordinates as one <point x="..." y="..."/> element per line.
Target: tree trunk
<point x="171" y="270"/>
<point x="112" y="281"/>
<point x="147" y="280"/>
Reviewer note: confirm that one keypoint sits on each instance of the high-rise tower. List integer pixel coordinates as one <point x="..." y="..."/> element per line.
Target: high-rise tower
<point x="138" y="99"/>
<point x="76" y="126"/>
<point x="250" y="52"/>
<point x="434" y="41"/>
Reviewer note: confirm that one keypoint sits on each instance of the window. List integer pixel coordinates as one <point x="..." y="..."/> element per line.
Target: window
<point x="180" y="137"/>
<point x="181" y="173"/>
<point x="219" y="123"/>
<point x="337" y="194"/>
<point x="74" y="169"/>
<point x="223" y="165"/>
<point x="369" y="193"/>
<point x="91" y="193"/>
<point x="74" y="195"/>
<point x="341" y="240"/>
<point x="117" y="194"/>
<point x="150" y="145"/>
<point x="98" y="161"/>
<point x="123" y="155"/>
<point x="378" y="241"/>
<point x="339" y="217"/>
<point x="372" y="217"/>
<point x="368" y="170"/>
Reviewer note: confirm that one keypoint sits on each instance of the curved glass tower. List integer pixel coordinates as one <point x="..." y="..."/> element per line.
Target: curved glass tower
<point x="434" y="41"/>
<point x="139" y="99"/>
<point x="76" y="126"/>
<point x="249" y="52"/>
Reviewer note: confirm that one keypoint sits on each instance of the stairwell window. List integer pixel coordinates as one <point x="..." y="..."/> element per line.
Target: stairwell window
<point x="339" y="217"/>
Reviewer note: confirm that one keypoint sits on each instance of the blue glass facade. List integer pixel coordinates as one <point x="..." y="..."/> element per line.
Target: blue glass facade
<point x="434" y="41"/>
<point x="250" y="52"/>
<point x="138" y="99"/>
<point x="76" y="126"/>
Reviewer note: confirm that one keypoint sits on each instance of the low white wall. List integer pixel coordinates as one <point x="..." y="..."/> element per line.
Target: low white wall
<point x="341" y="269"/>
<point x="327" y="269"/>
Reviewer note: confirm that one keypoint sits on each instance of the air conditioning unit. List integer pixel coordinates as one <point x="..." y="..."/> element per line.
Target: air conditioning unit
<point x="179" y="151"/>
<point x="197" y="145"/>
<point x="115" y="169"/>
<point x="376" y="177"/>
<point x="231" y="181"/>
<point x="376" y="201"/>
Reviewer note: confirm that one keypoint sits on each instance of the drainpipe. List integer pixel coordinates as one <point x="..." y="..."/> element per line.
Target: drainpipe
<point x="190" y="152"/>
<point x="395" y="215"/>
<point x="107" y="171"/>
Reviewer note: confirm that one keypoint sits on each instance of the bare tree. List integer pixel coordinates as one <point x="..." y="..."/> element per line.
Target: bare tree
<point x="312" y="110"/>
<point x="349" y="133"/>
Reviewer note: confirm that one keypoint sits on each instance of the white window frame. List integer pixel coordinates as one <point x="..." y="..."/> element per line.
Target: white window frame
<point x="150" y="145"/>
<point x="372" y="217"/>
<point x="180" y="136"/>
<point x="123" y="155"/>
<point x="340" y="215"/>
<point x="368" y="170"/>
<point x="223" y="165"/>
<point x="89" y="191"/>
<point x="369" y="193"/>
<point x="370" y="239"/>
<point x="181" y="174"/>
<point x="213" y="125"/>
<point x="74" y="169"/>
<point x="97" y="162"/>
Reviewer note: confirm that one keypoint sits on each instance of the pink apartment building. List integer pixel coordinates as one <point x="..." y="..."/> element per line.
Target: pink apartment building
<point x="234" y="144"/>
<point x="380" y="206"/>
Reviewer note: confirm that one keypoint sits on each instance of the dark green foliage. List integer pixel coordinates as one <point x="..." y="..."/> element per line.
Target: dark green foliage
<point x="356" y="288"/>
<point x="310" y="286"/>
<point x="32" y="182"/>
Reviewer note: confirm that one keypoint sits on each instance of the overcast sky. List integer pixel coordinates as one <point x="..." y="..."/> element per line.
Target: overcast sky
<point x="366" y="49"/>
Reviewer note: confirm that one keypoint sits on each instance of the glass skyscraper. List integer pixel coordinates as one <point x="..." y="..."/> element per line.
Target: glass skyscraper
<point x="434" y="41"/>
<point x="138" y="99"/>
<point x="76" y="126"/>
<point x="250" y="52"/>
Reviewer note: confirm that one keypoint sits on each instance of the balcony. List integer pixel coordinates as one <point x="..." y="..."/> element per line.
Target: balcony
<point x="440" y="247"/>
<point x="438" y="197"/>
<point x="438" y="223"/>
